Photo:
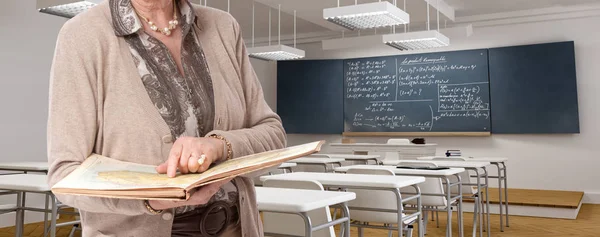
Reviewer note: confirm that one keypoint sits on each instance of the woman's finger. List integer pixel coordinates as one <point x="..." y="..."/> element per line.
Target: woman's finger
<point x="162" y="168"/>
<point x="183" y="160"/>
<point x="173" y="161"/>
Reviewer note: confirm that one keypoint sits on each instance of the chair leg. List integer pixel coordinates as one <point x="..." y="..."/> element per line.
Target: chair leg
<point x="425" y="221"/>
<point x="437" y="218"/>
<point x="390" y="233"/>
<point x="54" y="216"/>
<point x="46" y="216"/>
<point x="73" y="231"/>
<point x="409" y="231"/>
<point x="360" y="232"/>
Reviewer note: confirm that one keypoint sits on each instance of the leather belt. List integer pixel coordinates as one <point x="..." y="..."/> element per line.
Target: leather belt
<point x="208" y="221"/>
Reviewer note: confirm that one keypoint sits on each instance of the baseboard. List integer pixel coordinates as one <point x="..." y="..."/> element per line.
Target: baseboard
<point x="591" y="198"/>
<point x="533" y="211"/>
<point x="8" y="220"/>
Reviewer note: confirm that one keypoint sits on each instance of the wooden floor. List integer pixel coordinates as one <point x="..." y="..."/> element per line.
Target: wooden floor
<point x="542" y="198"/>
<point x="586" y="225"/>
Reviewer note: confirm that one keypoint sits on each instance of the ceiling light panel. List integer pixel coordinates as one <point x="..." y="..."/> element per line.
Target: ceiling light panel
<point x="416" y="40"/>
<point x="65" y="8"/>
<point x="367" y="16"/>
<point x="276" y="53"/>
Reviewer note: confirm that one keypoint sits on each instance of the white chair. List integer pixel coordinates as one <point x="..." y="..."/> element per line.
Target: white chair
<point x="319" y="156"/>
<point x="394" y="155"/>
<point x="467" y="191"/>
<point x="378" y="199"/>
<point x="430" y="186"/>
<point x="290" y="224"/>
<point x="7" y="208"/>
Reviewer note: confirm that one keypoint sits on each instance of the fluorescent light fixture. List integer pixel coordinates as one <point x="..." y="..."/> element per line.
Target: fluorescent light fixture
<point x="366" y="16"/>
<point x="417" y="40"/>
<point x="65" y="8"/>
<point x="276" y="52"/>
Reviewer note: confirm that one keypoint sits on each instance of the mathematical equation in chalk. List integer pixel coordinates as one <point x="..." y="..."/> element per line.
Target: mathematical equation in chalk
<point x="429" y="92"/>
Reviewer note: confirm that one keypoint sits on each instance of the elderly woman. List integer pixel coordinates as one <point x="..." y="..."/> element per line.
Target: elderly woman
<point x="166" y="83"/>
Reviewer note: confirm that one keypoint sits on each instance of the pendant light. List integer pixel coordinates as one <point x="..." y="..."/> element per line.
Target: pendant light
<point x="275" y="52"/>
<point x="420" y="39"/>
<point x="65" y="8"/>
<point x="366" y="16"/>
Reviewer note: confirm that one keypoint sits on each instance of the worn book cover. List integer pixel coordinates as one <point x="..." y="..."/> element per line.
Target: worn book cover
<point x="101" y="176"/>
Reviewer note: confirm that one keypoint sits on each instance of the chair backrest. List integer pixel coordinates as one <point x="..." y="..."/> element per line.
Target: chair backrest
<point x="291" y="224"/>
<point x="373" y="198"/>
<point x="465" y="177"/>
<point x="427" y="164"/>
<point x="431" y="185"/>
<point x="394" y="155"/>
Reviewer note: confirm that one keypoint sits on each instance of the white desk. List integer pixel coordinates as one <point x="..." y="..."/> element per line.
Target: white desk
<point x="25" y="166"/>
<point x="468" y="165"/>
<point x="442" y="174"/>
<point x="444" y="163"/>
<point x="287" y="167"/>
<point x="405" y="151"/>
<point x="500" y="163"/>
<point x="367" y="182"/>
<point x="359" y="158"/>
<point x="325" y="162"/>
<point x="300" y="201"/>
<point x="29" y="183"/>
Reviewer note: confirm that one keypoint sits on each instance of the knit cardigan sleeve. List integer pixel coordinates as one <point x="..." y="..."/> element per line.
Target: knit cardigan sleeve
<point x="73" y="116"/>
<point x="264" y="130"/>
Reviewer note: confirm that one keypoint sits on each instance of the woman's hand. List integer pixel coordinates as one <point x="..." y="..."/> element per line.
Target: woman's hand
<point x="192" y="155"/>
<point x="200" y="197"/>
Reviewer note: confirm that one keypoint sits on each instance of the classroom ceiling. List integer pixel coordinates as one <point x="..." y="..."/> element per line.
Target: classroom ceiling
<point x="310" y="12"/>
<point x="481" y="7"/>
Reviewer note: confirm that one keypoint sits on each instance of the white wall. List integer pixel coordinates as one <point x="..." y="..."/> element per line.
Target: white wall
<point x="554" y="162"/>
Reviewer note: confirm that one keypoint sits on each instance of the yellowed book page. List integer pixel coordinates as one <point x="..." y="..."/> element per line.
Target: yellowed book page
<point x="257" y="161"/>
<point x="103" y="173"/>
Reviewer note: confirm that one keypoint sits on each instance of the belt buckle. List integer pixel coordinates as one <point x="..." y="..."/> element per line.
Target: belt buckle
<point x="216" y="207"/>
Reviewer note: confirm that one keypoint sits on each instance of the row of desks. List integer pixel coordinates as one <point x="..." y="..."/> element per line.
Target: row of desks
<point x="477" y="165"/>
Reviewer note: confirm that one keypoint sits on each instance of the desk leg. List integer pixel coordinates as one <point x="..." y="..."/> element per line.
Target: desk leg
<point x="420" y="210"/>
<point x="19" y="217"/>
<point x="479" y="203"/>
<point x="307" y="224"/>
<point x="487" y="202"/>
<point x="448" y="208"/>
<point x="500" y="203"/>
<point x="346" y="213"/>
<point x="505" y="191"/>
<point x="400" y="210"/>
<point x="460" y="208"/>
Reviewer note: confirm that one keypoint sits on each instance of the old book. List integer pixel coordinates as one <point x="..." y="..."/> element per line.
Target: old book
<point x="101" y="176"/>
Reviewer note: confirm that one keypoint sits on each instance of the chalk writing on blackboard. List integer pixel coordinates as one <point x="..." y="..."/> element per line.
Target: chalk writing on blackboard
<point x="417" y="93"/>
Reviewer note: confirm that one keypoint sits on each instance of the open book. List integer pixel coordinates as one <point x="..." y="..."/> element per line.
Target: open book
<point x="105" y="177"/>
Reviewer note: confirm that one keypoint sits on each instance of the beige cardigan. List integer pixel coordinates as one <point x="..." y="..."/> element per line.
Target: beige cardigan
<point x="98" y="104"/>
